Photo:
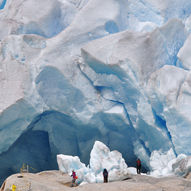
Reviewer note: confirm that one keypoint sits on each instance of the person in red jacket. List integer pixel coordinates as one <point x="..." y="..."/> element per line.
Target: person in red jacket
<point x="73" y="177"/>
<point x="138" y="166"/>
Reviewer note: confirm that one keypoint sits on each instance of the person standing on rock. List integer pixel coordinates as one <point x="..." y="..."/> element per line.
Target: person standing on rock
<point x="74" y="177"/>
<point x="138" y="166"/>
<point x="105" y="175"/>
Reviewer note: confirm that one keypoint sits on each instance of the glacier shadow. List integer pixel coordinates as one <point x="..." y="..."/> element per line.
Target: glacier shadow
<point x="31" y="148"/>
<point x="53" y="132"/>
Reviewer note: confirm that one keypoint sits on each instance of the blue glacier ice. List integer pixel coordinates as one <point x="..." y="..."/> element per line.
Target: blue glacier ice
<point x="82" y="71"/>
<point x="2" y="4"/>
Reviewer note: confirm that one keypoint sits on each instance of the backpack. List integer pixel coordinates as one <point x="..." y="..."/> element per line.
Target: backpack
<point x="105" y="173"/>
<point x="138" y="162"/>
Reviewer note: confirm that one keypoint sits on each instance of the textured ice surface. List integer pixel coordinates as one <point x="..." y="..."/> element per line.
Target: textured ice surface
<point x="167" y="164"/>
<point x="171" y="101"/>
<point x="184" y="54"/>
<point x="101" y="157"/>
<point x="161" y="164"/>
<point x="84" y="70"/>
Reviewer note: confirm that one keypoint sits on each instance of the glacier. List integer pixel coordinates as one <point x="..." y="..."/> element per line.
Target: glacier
<point x="100" y="157"/>
<point x="161" y="165"/>
<point x="115" y="71"/>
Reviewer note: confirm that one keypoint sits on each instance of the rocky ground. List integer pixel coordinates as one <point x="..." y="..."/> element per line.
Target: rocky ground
<point x="56" y="181"/>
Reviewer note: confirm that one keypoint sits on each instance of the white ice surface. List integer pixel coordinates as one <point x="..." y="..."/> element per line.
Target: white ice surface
<point x="162" y="164"/>
<point x="101" y="157"/>
<point x="167" y="164"/>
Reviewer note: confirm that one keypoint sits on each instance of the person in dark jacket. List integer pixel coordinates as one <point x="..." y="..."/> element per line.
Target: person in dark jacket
<point x="105" y="175"/>
<point x="138" y="162"/>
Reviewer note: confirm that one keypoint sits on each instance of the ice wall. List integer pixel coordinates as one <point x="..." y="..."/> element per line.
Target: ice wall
<point x="86" y="70"/>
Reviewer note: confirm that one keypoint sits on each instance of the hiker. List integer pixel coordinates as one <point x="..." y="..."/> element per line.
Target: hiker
<point x="138" y="166"/>
<point x="74" y="177"/>
<point x="105" y="175"/>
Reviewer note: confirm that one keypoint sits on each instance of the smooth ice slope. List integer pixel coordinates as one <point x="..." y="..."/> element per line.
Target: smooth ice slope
<point x="86" y="70"/>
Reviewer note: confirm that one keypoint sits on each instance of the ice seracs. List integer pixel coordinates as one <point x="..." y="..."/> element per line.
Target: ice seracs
<point x="161" y="164"/>
<point x="101" y="157"/>
<point x="167" y="164"/>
